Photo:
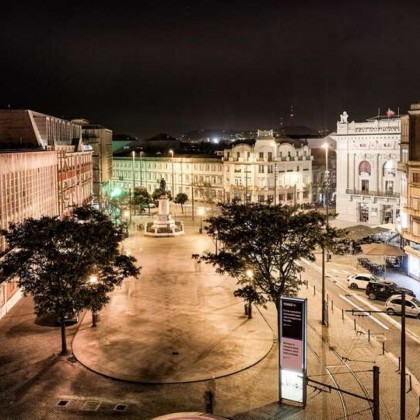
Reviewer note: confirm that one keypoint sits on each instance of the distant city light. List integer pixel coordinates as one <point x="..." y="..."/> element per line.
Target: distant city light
<point x="215" y="140"/>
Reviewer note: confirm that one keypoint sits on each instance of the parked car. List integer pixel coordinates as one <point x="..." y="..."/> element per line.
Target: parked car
<point x="385" y="289"/>
<point x="394" y="306"/>
<point x="360" y="280"/>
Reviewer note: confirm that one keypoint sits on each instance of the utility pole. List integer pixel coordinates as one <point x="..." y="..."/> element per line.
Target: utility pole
<point x="376" y="412"/>
<point x="402" y="367"/>
<point x="325" y="246"/>
<point x="275" y="183"/>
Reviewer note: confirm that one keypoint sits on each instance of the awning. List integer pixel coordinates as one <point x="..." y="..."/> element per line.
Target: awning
<point x="382" y="249"/>
<point x="358" y="232"/>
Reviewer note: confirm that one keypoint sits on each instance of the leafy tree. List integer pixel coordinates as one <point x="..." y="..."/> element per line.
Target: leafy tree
<point x="54" y="258"/>
<point x="141" y="196"/>
<point x="181" y="198"/>
<point x="269" y="241"/>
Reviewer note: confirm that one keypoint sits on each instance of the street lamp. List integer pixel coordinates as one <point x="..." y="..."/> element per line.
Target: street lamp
<point x="325" y="247"/>
<point x="172" y="160"/>
<point x="141" y="175"/>
<point x="133" y="180"/>
<point x="201" y="212"/>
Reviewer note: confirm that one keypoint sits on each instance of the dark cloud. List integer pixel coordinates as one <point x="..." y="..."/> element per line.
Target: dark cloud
<point x="148" y="66"/>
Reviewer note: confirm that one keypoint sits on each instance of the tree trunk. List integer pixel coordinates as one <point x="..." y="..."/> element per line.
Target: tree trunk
<point x="64" y="350"/>
<point x="94" y="319"/>
<point x="249" y="310"/>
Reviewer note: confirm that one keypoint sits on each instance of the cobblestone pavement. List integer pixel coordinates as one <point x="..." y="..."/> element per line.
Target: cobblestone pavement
<point x="37" y="383"/>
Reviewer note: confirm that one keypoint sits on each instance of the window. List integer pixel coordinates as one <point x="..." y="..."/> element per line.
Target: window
<point x="261" y="155"/>
<point x="238" y="155"/>
<point x="270" y="169"/>
<point x="389" y="168"/>
<point x="416" y="177"/>
<point x="261" y="199"/>
<point x="270" y="156"/>
<point x="364" y="168"/>
<point x="365" y="185"/>
<point x="260" y="169"/>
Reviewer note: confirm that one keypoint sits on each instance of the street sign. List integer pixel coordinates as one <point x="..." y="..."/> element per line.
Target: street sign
<point x="293" y="321"/>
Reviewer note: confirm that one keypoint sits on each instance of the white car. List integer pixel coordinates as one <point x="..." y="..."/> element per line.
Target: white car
<point x="360" y="280"/>
<point x="394" y="306"/>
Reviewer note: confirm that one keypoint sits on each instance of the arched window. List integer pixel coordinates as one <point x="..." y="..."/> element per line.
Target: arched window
<point x="389" y="168"/>
<point x="364" y="168"/>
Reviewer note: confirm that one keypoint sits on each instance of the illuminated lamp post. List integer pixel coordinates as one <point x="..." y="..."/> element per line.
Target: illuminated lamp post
<point x="325" y="247"/>
<point x="141" y="175"/>
<point x="172" y="160"/>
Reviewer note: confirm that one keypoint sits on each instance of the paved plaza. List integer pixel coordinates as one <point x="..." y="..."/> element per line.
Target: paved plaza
<point x="169" y="337"/>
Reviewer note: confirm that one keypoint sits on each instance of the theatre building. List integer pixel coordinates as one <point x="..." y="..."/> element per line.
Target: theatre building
<point x="368" y="184"/>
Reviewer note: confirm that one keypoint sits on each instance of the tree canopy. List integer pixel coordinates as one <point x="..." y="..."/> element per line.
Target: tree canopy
<point x="181" y="198"/>
<point x="54" y="258"/>
<point x="142" y="197"/>
<point x="268" y="241"/>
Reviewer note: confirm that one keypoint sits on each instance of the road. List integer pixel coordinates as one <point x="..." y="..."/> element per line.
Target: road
<point x="380" y="326"/>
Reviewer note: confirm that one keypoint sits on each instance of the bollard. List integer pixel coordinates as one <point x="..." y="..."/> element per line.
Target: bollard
<point x="332" y="306"/>
<point x="209" y="401"/>
<point x="342" y="314"/>
<point x="307" y="284"/>
<point x="369" y="336"/>
<point x="410" y="385"/>
<point x="399" y="364"/>
<point x="354" y="321"/>
<point x="383" y="347"/>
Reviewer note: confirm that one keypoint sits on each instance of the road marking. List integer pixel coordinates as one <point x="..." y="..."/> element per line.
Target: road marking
<point x="391" y="320"/>
<point x="363" y="312"/>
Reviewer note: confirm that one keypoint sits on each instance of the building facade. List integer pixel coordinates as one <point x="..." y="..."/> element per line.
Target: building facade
<point x="183" y="174"/>
<point x="44" y="171"/>
<point x="368" y="185"/>
<point x="270" y="170"/>
<point x="99" y="139"/>
<point x="408" y="225"/>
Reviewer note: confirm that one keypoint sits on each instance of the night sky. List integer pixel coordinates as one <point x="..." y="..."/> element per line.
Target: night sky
<point x="145" y="67"/>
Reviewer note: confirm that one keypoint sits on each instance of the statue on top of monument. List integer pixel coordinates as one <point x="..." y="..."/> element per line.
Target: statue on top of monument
<point x="163" y="185"/>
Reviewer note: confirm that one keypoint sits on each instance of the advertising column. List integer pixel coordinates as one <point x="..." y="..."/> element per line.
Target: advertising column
<point x="293" y="320"/>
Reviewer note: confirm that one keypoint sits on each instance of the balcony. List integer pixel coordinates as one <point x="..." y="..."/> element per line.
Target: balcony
<point x="374" y="193"/>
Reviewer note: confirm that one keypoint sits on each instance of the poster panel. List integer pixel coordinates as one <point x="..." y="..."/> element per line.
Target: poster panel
<point x="292" y="348"/>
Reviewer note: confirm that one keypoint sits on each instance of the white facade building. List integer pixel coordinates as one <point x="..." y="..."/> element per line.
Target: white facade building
<point x="272" y="170"/>
<point x="368" y="185"/>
